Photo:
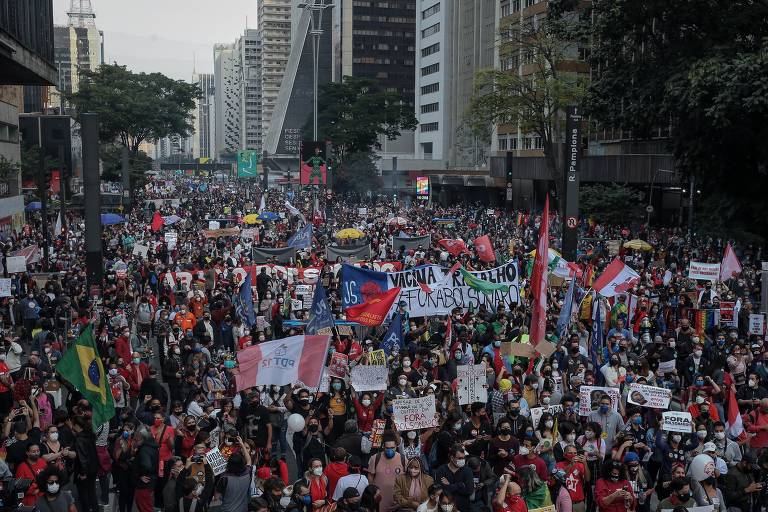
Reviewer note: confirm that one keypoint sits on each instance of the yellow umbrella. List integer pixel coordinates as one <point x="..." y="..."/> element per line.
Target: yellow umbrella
<point x="349" y="233"/>
<point x="638" y="245"/>
<point x="251" y="218"/>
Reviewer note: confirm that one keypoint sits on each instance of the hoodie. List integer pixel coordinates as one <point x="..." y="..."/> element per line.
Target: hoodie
<point x="145" y="463"/>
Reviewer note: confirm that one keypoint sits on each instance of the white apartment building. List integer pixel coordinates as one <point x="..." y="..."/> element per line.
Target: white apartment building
<point x="227" y="75"/>
<point x="274" y="32"/>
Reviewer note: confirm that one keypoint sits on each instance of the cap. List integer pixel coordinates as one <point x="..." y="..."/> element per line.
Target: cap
<point x="631" y="457"/>
<point x="505" y="385"/>
<point x="350" y="492"/>
<point x="710" y="447"/>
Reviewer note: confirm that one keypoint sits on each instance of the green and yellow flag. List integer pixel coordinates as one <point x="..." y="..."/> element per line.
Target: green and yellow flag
<point x="82" y="367"/>
<point x="482" y="286"/>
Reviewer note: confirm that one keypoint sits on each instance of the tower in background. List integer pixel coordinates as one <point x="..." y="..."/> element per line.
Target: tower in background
<point x="226" y="70"/>
<point x="202" y="145"/>
<point x="274" y="31"/>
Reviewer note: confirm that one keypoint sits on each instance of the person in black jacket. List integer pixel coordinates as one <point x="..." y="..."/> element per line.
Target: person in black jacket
<point x="144" y="469"/>
<point x="151" y="386"/>
<point x="86" y="464"/>
<point x="457" y="479"/>
<point x="173" y="371"/>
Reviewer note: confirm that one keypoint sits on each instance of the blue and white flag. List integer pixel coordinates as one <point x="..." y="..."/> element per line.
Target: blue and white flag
<point x="565" y="313"/>
<point x="597" y="337"/>
<point x="394" y="334"/>
<point x="320" y="316"/>
<point x="302" y="239"/>
<point x="244" y="302"/>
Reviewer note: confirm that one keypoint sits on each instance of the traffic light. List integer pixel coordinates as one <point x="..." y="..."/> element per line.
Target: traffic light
<point x="509" y="175"/>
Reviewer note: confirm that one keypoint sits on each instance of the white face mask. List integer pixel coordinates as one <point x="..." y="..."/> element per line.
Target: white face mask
<point x="406" y="363"/>
<point x="403" y="382"/>
<point x="697" y="353"/>
<point x="549" y="423"/>
<point x="366" y="402"/>
<point x="752" y="383"/>
<point x="535" y="385"/>
<point x="447" y="508"/>
<point x="589" y="434"/>
<point x="460" y="463"/>
<point x="411" y="435"/>
<point x="677" y="439"/>
<point x="719" y="436"/>
<point x="701" y="434"/>
<point x="317" y="471"/>
<point x="285" y="501"/>
<point x="555" y="365"/>
<point x="699" y="399"/>
<point x="546" y="400"/>
<point x="53" y="436"/>
<point x="524" y="450"/>
<point x="53" y="488"/>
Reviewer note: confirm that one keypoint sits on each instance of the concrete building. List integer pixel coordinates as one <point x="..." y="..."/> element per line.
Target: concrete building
<point x="27" y="59"/>
<point x="274" y="29"/>
<point x="249" y="52"/>
<point x="226" y="99"/>
<point x="202" y="143"/>
<point x="454" y="40"/>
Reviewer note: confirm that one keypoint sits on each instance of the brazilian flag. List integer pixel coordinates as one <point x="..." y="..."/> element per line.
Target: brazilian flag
<point x="480" y="285"/>
<point x="82" y="367"/>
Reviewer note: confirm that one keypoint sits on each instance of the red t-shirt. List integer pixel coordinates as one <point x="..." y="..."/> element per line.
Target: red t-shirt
<point x="512" y="503"/>
<point x="538" y="462"/>
<point x="605" y="488"/>
<point x="574" y="480"/>
<point x="30" y="471"/>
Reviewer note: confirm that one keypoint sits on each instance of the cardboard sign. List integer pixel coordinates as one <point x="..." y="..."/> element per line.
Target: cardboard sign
<point x="344" y="330"/>
<point x="613" y="247"/>
<point x="667" y="366"/>
<point x="213" y="224"/>
<point x="5" y="287"/>
<point x="537" y="412"/>
<point x="519" y="349"/>
<point x="171" y="238"/>
<point x="377" y="431"/>
<point x="472" y="383"/>
<point x="672" y="421"/>
<point x="414" y="413"/>
<point x="217" y="461"/>
<point x="756" y="323"/>
<point x="546" y="348"/>
<point x="250" y="234"/>
<point x="728" y="314"/>
<point x="16" y="264"/>
<point x="377" y="357"/>
<point x="140" y="250"/>
<point x="339" y="365"/>
<point x="369" y="377"/>
<point x="589" y="398"/>
<point x="704" y="271"/>
<point x="649" y="396"/>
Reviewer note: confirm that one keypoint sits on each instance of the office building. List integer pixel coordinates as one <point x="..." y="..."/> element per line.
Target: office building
<point x="274" y="29"/>
<point x="202" y="144"/>
<point x="248" y="49"/>
<point x="226" y="70"/>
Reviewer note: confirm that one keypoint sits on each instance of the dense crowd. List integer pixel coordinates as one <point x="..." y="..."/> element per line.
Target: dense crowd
<point x="169" y="345"/>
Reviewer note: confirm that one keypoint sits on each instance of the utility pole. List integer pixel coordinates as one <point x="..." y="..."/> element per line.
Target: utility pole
<point x="315" y="8"/>
<point x="126" y="178"/>
<point x="62" y="189"/>
<point x="92" y="199"/>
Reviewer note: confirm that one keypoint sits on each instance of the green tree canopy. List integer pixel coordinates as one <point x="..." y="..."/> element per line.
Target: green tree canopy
<point x="612" y="204"/>
<point x="135" y="107"/>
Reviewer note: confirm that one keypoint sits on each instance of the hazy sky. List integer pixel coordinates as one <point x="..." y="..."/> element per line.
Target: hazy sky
<point x="166" y="35"/>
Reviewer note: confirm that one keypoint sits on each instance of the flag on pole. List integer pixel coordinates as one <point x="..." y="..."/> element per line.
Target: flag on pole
<point x="157" y="221"/>
<point x="320" y="316"/>
<point x="394" y="334"/>
<point x="57" y="228"/>
<point x="617" y="278"/>
<point x="454" y="247"/>
<point x="484" y="248"/>
<point x="480" y="285"/>
<point x="735" y="424"/>
<point x="244" y="302"/>
<point x="263" y="203"/>
<point x="539" y="280"/>
<point x="565" y="313"/>
<point x="302" y="239"/>
<point x="373" y="312"/>
<point x="284" y="361"/>
<point x="81" y="366"/>
<point x="730" y="266"/>
<point x="597" y="336"/>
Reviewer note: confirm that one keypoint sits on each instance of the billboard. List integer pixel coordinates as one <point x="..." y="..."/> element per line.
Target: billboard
<point x="313" y="168"/>
<point x="247" y="164"/>
<point x="422" y="186"/>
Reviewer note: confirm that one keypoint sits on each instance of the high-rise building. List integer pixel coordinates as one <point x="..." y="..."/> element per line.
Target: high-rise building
<point x="249" y="51"/>
<point x="226" y="70"/>
<point x="78" y="47"/>
<point x="454" y="40"/>
<point x="377" y="41"/>
<point x="274" y="31"/>
<point x="202" y="144"/>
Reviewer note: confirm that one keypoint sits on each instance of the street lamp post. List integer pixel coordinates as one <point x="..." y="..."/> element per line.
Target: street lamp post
<point x="649" y="208"/>
<point x="315" y="8"/>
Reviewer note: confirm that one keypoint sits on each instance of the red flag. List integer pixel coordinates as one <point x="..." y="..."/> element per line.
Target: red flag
<point x="616" y="278"/>
<point x="484" y="248"/>
<point x="424" y="287"/>
<point x="735" y="425"/>
<point x="539" y="281"/>
<point x="157" y="221"/>
<point x="730" y="267"/>
<point x="373" y="312"/>
<point x="453" y="247"/>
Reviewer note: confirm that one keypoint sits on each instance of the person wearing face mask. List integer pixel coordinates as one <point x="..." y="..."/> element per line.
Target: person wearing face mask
<point x="749" y="396"/>
<point x="173" y="371"/>
<point x="384" y="467"/>
<point x="412" y="487"/>
<point x="253" y="419"/>
<point x="613" y="493"/>
<point x="640" y="481"/>
<point x="30" y="468"/>
<point x="727" y="449"/>
<point x="613" y="372"/>
<point x="477" y="431"/>
<point x="528" y="455"/>
<point x="503" y="447"/>
<point x="610" y="421"/>
<point x="317" y="483"/>
<point x="680" y="495"/>
<point x="531" y="390"/>
<point x="135" y="372"/>
<point x="119" y="387"/>
<point x="86" y="464"/>
<point x="456" y="478"/>
<point x="366" y="408"/>
<point x="50" y="481"/>
<point x="695" y="364"/>
<point x="516" y="418"/>
<point x="578" y="476"/>
<point x="165" y="436"/>
<point x="567" y="438"/>
<point x="756" y="422"/>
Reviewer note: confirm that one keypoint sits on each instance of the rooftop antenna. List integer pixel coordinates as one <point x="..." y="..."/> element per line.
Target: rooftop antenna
<point x="81" y="14"/>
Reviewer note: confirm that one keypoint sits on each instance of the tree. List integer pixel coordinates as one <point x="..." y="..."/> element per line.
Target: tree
<point x="611" y="204"/>
<point x="536" y="98"/>
<point x="355" y="113"/>
<point x="135" y="107"/>
<point x="697" y="71"/>
<point x="357" y="173"/>
<point x="30" y="163"/>
<point x="112" y="164"/>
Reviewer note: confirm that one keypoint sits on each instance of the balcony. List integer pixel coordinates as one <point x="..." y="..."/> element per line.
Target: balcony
<point x="26" y="42"/>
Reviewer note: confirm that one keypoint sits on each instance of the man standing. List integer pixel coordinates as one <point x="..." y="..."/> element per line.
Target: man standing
<point x="385" y="468"/>
<point x="740" y="487"/>
<point x="457" y="479"/>
<point x="609" y="420"/>
<point x="577" y="476"/>
<point x="145" y="469"/>
<point x="757" y="423"/>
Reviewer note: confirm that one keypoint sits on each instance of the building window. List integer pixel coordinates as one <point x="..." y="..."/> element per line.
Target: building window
<point x="527" y="143"/>
<point x="584" y="53"/>
<point x="432" y="68"/>
<point x="426" y="13"/>
<point x="434" y="29"/>
<point x="430" y="107"/>
<point x="505" y="10"/>
<point x="513" y="144"/>
<point x="515" y="5"/>
<point x="537" y="143"/>
<point x="426" y="89"/>
<point x="429" y="127"/>
<point x="502" y="144"/>
<point x="429" y="50"/>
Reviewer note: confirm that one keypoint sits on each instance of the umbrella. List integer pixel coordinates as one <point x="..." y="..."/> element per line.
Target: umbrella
<point x="638" y="245"/>
<point x="397" y="220"/>
<point x="251" y="218"/>
<point x="33" y="206"/>
<point x="349" y="233"/>
<point x="107" y="219"/>
<point x="268" y="216"/>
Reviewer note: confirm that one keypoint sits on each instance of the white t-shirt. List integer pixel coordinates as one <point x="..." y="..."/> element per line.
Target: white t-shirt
<point x="360" y="482"/>
<point x="424" y="507"/>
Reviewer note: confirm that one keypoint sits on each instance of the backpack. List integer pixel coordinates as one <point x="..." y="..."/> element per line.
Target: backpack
<point x="144" y="314"/>
<point x="377" y="458"/>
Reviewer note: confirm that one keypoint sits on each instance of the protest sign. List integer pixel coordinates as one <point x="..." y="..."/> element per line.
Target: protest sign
<point x="217" y="461"/>
<point x="362" y="211"/>
<point x="613" y="247"/>
<point x="369" y="377"/>
<point x="213" y="225"/>
<point x="171" y="237"/>
<point x="339" y="365"/>
<point x="414" y="413"/>
<point x="521" y="349"/>
<point x="672" y="421"/>
<point x="250" y="234"/>
<point x="297" y="305"/>
<point x="704" y="271"/>
<point x="667" y="366"/>
<point x="14" y="264"/>
<point x="537" y="412"/>
<point x="377" y="357"/>
<point x="546" y="348"/>
<point x="649" y="396"/>
<point x="140" y="250"/>
<point x="589" y="398"/>
<point x="728" y="314"/>
<point x="472" y="384"/>
<point x="5" y="287"/>
<point x="344" y="330"/>
<point x="377" y="431"/>
<point x="756" y="324"/>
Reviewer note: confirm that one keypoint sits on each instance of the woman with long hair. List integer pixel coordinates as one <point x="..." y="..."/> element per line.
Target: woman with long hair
<point x="535" y="492"/>
<point x="412" y="487"/>
<point x="370" y="500"/>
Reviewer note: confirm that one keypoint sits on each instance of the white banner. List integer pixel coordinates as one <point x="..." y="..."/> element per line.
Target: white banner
<point x="756" y="323"/>
<point x="5" y="287"/>
<point x="589" y="398"/>
<point x="537" y="412"/>
<point x="472" y="383"/>
<point x="140" y="250"/>
<point x="649" y="396"/>
<point x="704" y="271"/>
<point x="171" y="237"/>
<point x="414" y="413"/>
<point x="217" y="461"/>
<point x="16" y="264"/>
<point x="369" y="377"/>
<point x="672" y="421"/>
